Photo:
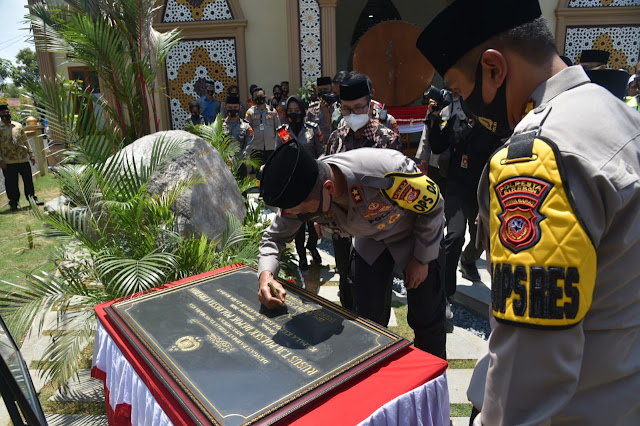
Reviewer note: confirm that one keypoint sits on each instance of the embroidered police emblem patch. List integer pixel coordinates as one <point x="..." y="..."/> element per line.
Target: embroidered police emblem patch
<point x="373" y="206"/>
<point x="520" y="199"/>
<point x="356" y="195"/>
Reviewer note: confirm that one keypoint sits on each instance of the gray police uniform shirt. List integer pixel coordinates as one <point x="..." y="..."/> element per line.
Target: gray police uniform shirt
<point x="264" y="123"/>
<point x="588" y="374"/>
<point x="369" y="216"/>
<point x="240" y="130"/>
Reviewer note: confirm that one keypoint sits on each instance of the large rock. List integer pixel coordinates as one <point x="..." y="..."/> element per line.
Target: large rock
<point x="203" y="208"/>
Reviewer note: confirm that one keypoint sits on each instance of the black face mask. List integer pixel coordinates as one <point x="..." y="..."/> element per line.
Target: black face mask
<point x="308" y="217"/>
<point x="278" y="96"/>
<point x="211" y="92"/>
<point x="329" y="97"/>
<point x="260" y="100"/>
<point x="295" y="118"/>
<point x="233" y="112"/>
<point x="493" y="115"/>
<point x="6" y="117"/>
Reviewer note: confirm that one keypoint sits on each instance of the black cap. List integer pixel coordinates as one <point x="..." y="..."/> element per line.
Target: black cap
<point x="252" y="88"/>
<point x="466" y="24"/>
<point x="323" y="81"/>
<point x="567" y="61"/>
<point x="615" y="81"/>
<point x="288" y="176"/>
<point x="233" y="99"/>
<point x="193" y="103"/>
<point x="354" y="89"/>
<point x="599" y="56"/>
<point x="4" y="107"/>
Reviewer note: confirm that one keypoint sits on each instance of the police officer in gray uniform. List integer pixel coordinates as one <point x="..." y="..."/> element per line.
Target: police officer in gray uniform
<point x="264" y="121"/>
<point x="560" y="215"/>
<point x="392" y="209"/>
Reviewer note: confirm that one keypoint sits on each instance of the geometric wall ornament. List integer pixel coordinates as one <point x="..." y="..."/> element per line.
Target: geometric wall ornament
<point x="310" y="40"/>
<point x="196" y="10"/>
<point x="623" y="43"/>
<point x="190" y="64"/>
<point x="603" y="3"/>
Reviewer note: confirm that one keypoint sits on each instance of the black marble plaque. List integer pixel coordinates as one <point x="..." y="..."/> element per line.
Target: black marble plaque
<point x="240" y="362"/>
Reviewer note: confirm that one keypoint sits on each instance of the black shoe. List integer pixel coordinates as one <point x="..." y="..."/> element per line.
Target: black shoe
<point x="38" y="202"/>
<point x="469" y="271"/>
<point x="303" y="265"/>
<point x="13" y="208"/>
<point x="316" y="256"/>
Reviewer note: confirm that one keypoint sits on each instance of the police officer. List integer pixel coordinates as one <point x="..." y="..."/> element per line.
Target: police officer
<point x="264" y="122"/>
<point x="392" y="209"/>
<point x="15" y="154"/>
<point x="308" y="136"/>
<point x="195" y="118"/>
<point x="240" y="130"/>
<point x="320" y="112"/>
<point x="276" y="103"/>
<point x="233" y="90"/>
<point x="358" y="130"/>
<point x="560" y="213"/>
<point x="469" y="146"/>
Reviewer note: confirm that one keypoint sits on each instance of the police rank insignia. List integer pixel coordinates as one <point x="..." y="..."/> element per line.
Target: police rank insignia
<point x="356" y="195"/>
<point x="520" y="198"/>
<point x="393" y="218"/>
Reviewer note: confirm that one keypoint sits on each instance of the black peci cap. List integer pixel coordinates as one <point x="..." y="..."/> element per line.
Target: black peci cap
<point x="615" y="81"/>
<point x="233" y="99"/>
<point x="193" y="104"/>
<point x="466" y="24"/>
<point x="356" y="88"/>
<point x="323" y="81"/>
<point x="288" y="176"/>
<point x="599" y="56"/>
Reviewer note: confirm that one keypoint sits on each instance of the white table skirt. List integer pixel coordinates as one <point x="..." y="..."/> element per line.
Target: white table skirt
<point x="427" y="405"/>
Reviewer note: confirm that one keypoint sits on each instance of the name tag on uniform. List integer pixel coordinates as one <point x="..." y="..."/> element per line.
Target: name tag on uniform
<point x="464" y="163"/>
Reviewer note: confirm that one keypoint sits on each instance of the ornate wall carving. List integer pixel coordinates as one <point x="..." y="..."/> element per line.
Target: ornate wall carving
<point x="603" y="3"/>
<point x="196" y="10"/>
<point x="190" y="64"/>
<point x="622" y="42"/>
<point x="310" y="40"/>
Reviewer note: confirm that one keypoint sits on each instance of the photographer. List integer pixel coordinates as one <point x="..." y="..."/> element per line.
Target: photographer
<point x="470" y="146"/>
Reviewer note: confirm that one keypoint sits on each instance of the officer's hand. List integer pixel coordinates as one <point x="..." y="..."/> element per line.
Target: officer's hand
<point x="424" y="166"/>
<point x="432" y="105"/>
<point x="319" y="229"/>
<point x="3" y="165"/>
<point x="33" y="160"/>
<point x="264" y="293"/>
<point x="415" y="274"/>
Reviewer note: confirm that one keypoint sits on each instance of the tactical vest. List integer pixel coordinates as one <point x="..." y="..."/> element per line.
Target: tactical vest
<point x="543" y="261"/>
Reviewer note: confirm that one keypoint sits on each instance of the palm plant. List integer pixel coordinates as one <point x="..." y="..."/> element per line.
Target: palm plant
<point x="115" y="39"/>
<point x="118" y="238"/>
<point x="229" y="149"/>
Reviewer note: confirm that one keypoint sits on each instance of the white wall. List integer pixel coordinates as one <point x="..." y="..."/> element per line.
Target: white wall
<point x="266" y="42"/>
<point x="549" y="11"/>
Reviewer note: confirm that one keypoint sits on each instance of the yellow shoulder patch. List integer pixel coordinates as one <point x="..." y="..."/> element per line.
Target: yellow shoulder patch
<point x="412" y="191"/>
<point x="543" y="261"/>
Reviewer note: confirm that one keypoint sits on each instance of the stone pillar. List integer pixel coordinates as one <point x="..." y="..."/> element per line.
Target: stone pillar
<point x="328" y="33"/>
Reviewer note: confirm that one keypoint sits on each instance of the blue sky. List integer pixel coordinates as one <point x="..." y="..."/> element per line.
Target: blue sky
<point x="13" y="31"/>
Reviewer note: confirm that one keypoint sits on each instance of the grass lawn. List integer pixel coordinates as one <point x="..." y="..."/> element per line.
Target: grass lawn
<point x="17" y="258"/>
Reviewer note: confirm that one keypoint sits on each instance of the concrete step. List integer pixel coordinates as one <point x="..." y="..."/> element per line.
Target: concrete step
<point x="459" y="421"/>
<point x="81" y="389"/>
<point x="76" y="420"/>
<point x="475" y="295"/>
<point x="462" y="344"/>
<point x="458" y="381"/>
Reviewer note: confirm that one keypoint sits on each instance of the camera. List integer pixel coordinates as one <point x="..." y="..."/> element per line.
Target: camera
<point x="442" y="97"/>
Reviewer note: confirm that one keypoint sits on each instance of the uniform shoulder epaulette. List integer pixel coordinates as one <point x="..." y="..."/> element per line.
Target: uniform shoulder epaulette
<point x="246" y="121"/>
<point x="311" y="123"/>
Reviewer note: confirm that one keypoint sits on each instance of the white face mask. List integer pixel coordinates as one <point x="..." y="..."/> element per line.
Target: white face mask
<point x="356" y="121"/>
